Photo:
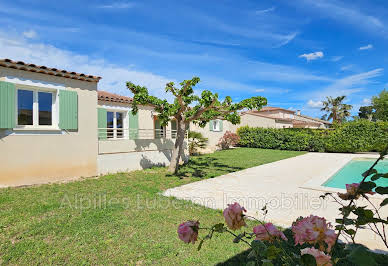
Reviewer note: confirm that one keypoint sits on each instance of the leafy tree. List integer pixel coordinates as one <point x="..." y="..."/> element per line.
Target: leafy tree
<point x="188" y="107"/>
<point x="380" y="104"/>
<point x="366" y="112"/>
<point x="336" y="109"/>
<point x="196" y="141"/>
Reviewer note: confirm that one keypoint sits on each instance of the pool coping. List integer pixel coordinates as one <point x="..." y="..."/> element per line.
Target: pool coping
<point x="316" y="183"/>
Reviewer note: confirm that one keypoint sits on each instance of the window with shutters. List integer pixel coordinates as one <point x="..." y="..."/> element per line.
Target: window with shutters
<point x="36" y="108"/>
<point x="216" y="125"/>
<point x="116" y="121"/>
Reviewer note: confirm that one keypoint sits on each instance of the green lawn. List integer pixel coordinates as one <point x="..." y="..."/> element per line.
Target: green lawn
<point x="118" y="219"/>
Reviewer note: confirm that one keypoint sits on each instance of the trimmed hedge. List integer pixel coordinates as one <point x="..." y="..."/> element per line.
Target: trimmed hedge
<point x="354" y="136"/>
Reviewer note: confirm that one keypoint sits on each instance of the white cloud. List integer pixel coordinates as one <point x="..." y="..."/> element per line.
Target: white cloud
<point x="117" y="5"/>
<point x="367" y="47"/>
<point x="272" y="90"/>
<point x="30" y="34"/>
<point x="349" y="14"/>
<point x="366" y="101"/>
<point x="314" y="104"/>
<point x="287" y="39"/>
<point x="356" y="80"/>
<point x="263" y="11"/>
<point x="347" y="85"/>
<point x="312" y="56"/>
<point x="347" y="67"/>
<point x="336" y="58"/>
<point x="114" y="77"/>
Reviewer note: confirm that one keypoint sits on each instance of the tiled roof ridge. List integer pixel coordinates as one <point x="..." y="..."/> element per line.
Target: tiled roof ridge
<point x="20" y="65"/>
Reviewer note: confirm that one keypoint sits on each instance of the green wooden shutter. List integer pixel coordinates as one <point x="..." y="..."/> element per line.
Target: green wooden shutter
<point x="102" y="123"/>
<point x="7" y="105"/>
<point x="68" y="110"/>
<point x="133" y="125"/>
<point x="221" y="125"/>
<point x="211" y="125"/>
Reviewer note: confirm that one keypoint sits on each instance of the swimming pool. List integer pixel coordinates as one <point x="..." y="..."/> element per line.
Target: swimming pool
<point x="352" y="173"/>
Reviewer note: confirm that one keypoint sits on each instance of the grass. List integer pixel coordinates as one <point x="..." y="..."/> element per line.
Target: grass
<point x="118" y="219"/>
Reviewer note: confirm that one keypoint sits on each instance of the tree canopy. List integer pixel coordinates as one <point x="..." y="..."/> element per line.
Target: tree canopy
<point x="189" y="107"/>
<point x="336" y="109"/>
<point x="380" y="105"/>
<point x="193" y="108"/>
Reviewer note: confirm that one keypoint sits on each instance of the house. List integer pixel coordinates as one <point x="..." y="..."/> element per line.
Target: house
<point x="130" y="142"/>
<point x="285" y="118"/>
<point x="55" y="125"/>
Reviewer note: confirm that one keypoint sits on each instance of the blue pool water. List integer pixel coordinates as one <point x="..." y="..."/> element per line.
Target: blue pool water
<point x="352" y="173"/>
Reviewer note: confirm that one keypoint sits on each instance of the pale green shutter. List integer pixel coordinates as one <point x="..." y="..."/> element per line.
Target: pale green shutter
<point x="7" y="105"/>
<point x="133" y="125"/>
<point x="211" y="125"/>
<point x="221" y="126"/>
<point x="102" y="123"/>
<point x="158" y="133"/>
<point x="68" y="110"/>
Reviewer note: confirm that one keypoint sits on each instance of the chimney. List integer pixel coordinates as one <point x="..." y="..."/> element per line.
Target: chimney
<point x="297" y="112"/>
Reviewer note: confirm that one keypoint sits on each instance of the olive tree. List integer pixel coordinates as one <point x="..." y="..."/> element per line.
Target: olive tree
<point x="189" y="107"/>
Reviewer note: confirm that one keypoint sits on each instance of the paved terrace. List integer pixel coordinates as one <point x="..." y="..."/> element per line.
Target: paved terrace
<point x="290" y="187"/>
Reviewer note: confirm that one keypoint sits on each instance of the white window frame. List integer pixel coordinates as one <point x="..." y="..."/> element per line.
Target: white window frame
<point x="35" y="108"/>
<point x="125" y="124"/>
<point x="216" y="126"/>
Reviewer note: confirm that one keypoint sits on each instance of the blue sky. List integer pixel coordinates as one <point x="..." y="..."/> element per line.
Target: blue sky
<point x="292" y="52"/>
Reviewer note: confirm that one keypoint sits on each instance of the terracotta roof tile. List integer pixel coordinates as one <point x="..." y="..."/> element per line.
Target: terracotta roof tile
<point x="111" y="97"/>
<point x="270" y="108"/>
<point x="20" y="65"/>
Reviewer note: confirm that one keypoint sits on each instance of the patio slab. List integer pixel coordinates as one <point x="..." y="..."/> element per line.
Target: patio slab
<point x="290" y="188"/>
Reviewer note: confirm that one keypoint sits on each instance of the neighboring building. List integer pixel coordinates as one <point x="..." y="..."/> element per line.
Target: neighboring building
<point x="290" y="119"/>
<point x="55" y="125"/>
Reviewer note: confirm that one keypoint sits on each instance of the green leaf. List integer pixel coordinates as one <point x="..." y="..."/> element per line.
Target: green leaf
<point x="252" y="254"/>
<point x="219" y="228"/>
<point x="360" y="255"/>
<point x="267" y="262"/>
<point x="384" y="202"/>
<point x="350" y="231"/>
<point x="367" y="186"/>
<point x="376" y="177"/>
<point x="272" y="252"/>
<point x="382" y="190"/>
<point x="258" y="245"/>
<point x="251" y="263"/>
<point x="238" y="238"/>
<point x="369" y="172"/>
<point x="308" y="260"/>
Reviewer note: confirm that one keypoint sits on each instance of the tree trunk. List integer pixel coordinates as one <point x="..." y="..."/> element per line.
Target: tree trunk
<point x="178" y="151"/>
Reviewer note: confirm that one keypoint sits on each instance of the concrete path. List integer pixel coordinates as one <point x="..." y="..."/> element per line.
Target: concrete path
<point x="290" y="188"/>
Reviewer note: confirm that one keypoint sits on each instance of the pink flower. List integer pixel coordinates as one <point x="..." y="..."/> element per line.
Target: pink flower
<point x="268" y="232"/>
<point x="234" y="217"/>
<point x="188" y="231"/>
<point x="314" y="229"/>
<point x="320" y="257"/>
<point x="351" y="192"/>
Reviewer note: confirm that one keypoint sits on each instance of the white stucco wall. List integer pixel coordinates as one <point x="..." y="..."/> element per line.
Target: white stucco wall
<point x="34" y="157"/>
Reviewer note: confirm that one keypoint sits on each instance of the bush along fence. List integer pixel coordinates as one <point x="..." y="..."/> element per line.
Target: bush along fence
<point x="355" y="136"/>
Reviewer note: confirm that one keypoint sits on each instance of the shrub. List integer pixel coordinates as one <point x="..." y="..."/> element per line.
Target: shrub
<point x="355" y="136"/>
<point x="228" y="140"/>
<point x="196" y="141"/>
